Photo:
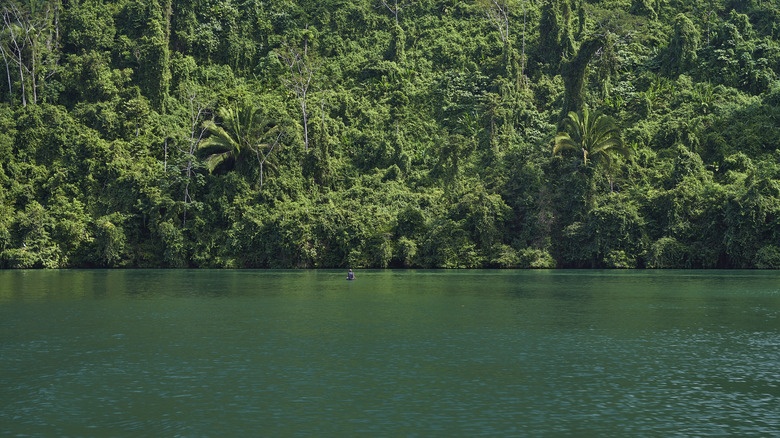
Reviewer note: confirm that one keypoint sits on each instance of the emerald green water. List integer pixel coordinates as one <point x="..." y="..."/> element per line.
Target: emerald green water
<point x="395" y="353"/>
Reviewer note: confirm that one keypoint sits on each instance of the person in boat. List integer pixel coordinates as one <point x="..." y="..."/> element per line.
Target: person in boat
<point x="350" y="275"/>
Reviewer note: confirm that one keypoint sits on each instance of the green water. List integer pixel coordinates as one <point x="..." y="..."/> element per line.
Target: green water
<point x="393" y="354"/>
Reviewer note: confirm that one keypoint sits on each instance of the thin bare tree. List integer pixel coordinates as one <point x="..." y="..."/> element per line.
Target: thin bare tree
<point x="497" y="13"/>
<point x="394" y="8"/>
<point x="258" y="150"/>
<point x="16" y="43"/>
<point x="22" y="41"/>
<point x="199" y="111"/>
<point x="302" y="69"/>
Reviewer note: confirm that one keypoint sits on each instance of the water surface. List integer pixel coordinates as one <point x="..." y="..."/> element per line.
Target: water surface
<point x="395" y="353"/>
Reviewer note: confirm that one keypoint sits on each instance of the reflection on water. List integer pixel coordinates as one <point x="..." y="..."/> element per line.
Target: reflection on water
<point x="396" y="353"/>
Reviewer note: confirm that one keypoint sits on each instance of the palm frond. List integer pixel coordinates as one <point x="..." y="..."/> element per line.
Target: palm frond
<point x="239" y="137"/>
<point x="214" y="160"/>
<point x="595" y="134"/>
<point x="562" y="142"/>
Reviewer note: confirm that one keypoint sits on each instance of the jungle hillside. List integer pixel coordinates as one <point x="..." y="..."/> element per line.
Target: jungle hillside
<point x="390" y="133"/>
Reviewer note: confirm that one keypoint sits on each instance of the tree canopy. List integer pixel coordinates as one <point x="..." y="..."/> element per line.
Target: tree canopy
<point x="432" y="134"/>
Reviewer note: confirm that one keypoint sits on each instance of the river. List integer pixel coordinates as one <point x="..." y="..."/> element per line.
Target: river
<point x="199" y="353"/>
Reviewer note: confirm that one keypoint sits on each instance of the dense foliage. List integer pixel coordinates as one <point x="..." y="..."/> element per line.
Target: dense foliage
<point x="372" y="133"/>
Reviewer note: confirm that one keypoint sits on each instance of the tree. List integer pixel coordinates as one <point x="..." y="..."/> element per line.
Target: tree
<point x="573" y="74"/>
<point x="394" y="8"/>
<point x="148" y="27"/>
<point x="302" y="70"/>
<point x="497" y="12"/>
<point x="198" y="110"/>
<point x="596" y="136"/>
<point x="243" y="135"/>
<point x="681" y="53"/>
<point x="549" y="33"/>
<point x="567" y="36"/>
<point x="28" y="38"/>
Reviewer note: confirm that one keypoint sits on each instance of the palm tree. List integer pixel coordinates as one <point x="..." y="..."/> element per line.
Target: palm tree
<point x="243" y="134"/>
<point x="595" y="135"/>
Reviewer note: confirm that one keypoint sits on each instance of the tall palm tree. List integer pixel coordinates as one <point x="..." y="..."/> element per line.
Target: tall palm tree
<point x="244" y="134"/>
<point x="596" y="136"/>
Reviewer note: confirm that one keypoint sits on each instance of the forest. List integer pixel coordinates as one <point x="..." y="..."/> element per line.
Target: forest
<point x="390" y="134"/>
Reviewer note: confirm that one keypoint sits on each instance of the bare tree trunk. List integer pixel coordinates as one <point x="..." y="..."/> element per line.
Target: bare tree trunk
<point x="17" y="50"/>
<point x="21" y="79"/>
<point x="27" y="48"/>
<point x="57" y="6"/>
<point x="262" y="161"/>
<point x="305" y="124"/>
<point x="197" y="112"/>
<point x="301" y="73"/>
<point x="395" y="9"/>
<point x="32" y="71"/>
<point x="522" y="55"/>
<point x="497" y="13"/>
